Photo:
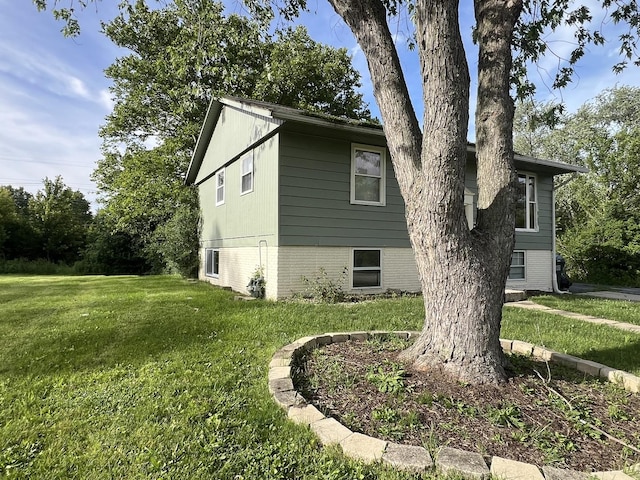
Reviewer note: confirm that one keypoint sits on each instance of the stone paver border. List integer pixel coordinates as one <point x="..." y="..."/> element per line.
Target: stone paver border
<point x="413" y="458"/>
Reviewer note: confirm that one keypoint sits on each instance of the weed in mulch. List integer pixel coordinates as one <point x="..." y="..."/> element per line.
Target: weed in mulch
<point x="545" y="414"/>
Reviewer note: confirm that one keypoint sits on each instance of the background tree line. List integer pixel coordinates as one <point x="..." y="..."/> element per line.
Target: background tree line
<point x="50" y="226"/>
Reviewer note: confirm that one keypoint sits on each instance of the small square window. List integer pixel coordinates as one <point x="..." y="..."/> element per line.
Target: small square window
<point x="212" y="263"/>
<point x="220" y="187"/>
<point x="367" y="271"/>
<point x="246" y="165"/>
<point x="517" y="269"/>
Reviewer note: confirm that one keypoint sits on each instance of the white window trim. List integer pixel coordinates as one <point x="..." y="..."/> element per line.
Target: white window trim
<point x="354" y="269"/>
<point x="528" y="202"/>
<point x="213" y="252"/>
<point x="468" y="207"/>
<point x="223" y="187"/>
<point x="383" y="176"/>
<point x="242" y="174"/>
<point x="524" y="266"/>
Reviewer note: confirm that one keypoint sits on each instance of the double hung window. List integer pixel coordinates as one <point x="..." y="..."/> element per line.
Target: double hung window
<point x="367" y="175"/>
<point x="220" y="187"/>
<point x="246" y="173"/>
<point x="526" y="203"/>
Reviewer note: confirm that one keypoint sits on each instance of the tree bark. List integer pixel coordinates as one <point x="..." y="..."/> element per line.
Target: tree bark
<point x="462" y="272"/>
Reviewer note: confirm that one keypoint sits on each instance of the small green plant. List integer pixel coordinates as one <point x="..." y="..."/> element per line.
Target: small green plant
<point x="385" y="414"/>
<point x="388" y="422"/>
<point x="390" y="343"/>
<point x="324" y="288"/>
<point x="553" y="445"/>
<point x="425" y="398"/>
<point x="520" y="436"/>
<point x="616" y="413"/>
<point x="388" y="378"/>
<point x="411" y="420"/>
<point x="508" y="415"/>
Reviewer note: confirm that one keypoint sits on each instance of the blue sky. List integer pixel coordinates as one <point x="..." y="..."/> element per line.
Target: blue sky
<point x="54" y="96"/>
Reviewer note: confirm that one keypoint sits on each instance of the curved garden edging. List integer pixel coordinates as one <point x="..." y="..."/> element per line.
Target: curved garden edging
<point x="413" y="458"/>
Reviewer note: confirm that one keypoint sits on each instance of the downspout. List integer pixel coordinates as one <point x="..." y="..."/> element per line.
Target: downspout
<point x="554" y="273"/>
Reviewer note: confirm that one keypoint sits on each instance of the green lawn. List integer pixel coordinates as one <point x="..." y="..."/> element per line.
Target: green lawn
<point x="157" y="377"/>
<point x="619" y="310"/>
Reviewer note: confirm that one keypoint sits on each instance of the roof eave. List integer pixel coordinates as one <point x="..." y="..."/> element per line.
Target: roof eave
<point x="558" y="168"/>
<point x="210" y="121"/>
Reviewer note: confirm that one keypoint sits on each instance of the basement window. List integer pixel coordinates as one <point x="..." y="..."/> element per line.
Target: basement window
<point x="212" y="263"/>
<point x="367" y="270"/>
<point x="517" y="269"/>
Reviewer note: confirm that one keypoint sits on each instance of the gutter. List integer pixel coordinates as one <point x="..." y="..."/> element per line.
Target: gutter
<point x="554" y="274"/>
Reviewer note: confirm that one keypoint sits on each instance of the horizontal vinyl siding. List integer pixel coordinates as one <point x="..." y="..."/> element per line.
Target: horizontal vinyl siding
<point x="399" y="270"/>
<point x="538" y="271"/>
<point x="314" y="201"/>
<point x="542" y="239"/>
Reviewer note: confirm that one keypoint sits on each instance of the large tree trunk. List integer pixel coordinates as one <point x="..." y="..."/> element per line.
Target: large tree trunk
<point x="462" y="272"/>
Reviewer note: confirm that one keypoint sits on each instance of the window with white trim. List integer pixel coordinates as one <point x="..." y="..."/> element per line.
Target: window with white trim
<point x="367" y="175"/>
<point x="526" y="203"/>
<point x="517" y="268"/>
<point x="246" y="173"/>
<point x="220" y="187"/>
<point x="212" y="262"/>
<point x="367" y="269"/>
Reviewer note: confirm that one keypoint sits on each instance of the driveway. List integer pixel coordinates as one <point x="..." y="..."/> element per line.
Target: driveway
<point x="604" y="291"/>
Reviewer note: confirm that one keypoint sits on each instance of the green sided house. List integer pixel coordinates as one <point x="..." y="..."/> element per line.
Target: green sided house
<point x="288" y="193"/>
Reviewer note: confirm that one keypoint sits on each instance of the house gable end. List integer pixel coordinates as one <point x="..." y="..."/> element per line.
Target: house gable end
<point x="228" y="132"/>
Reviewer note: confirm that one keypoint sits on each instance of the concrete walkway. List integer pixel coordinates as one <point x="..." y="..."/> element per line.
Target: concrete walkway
<point x="528" y="304"/>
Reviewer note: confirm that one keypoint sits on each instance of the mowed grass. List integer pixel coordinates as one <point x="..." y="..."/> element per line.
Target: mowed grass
<point x="619" y="310"/>
<point x="157" y="377"/>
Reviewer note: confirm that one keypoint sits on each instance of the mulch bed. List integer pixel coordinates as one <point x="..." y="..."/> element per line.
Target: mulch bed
<point x="525" y="419"/>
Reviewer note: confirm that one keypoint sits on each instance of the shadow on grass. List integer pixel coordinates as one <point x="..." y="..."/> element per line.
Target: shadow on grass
<point x="102" y="347"/>
<point x="625" y="357"/>
<point x="603" y="344"/>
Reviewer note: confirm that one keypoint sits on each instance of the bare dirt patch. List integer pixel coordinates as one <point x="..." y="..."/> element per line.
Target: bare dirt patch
<point x="565" y="419"/>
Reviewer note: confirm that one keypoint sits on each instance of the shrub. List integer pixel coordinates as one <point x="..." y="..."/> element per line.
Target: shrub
<point x="324" y="288"/>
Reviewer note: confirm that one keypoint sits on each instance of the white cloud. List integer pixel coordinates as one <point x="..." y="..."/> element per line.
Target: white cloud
<point x="106" y="100"/>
